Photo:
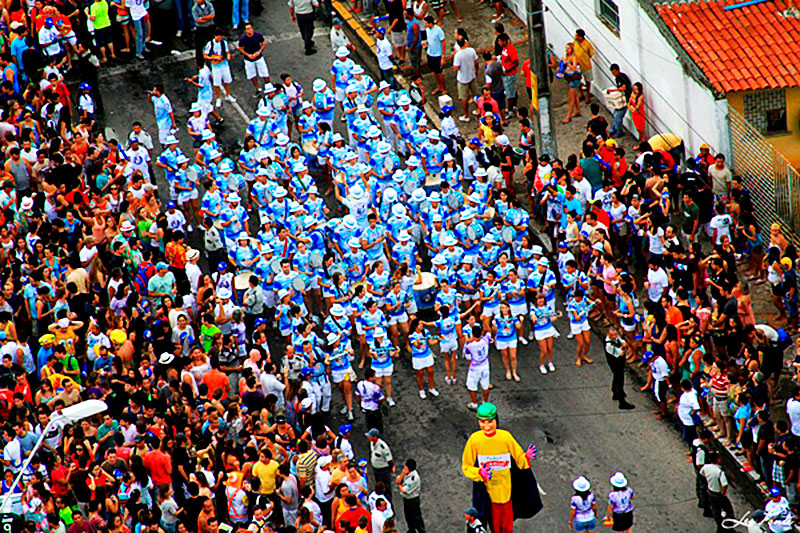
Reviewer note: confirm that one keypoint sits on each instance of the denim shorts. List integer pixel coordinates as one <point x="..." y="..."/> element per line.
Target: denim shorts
<point x="585" y="526"/>
<point x="576" y="84"/>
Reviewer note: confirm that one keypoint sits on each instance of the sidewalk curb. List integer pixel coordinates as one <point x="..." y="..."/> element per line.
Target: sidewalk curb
<point x="356" y="28"/>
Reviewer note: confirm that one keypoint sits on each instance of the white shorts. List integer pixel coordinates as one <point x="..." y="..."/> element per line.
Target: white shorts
<point x="383" y="372"/>
<point x="579" y="328"/>
<point x="206" y="107"/>
<point x="359" y="328"/>
<point x="503" y="345"/>
<point x="340" y="96"/>
<point x="628" y="328"/>
<point x="542" y="334"/>
<point x="420" y="363"/>
<point x="448" y="345"/>
<point x="490" y="311"/>
<point x="478" y="377"/>
<point x="220" y="75"/>
<point x="394" y="320"/>
<point x="185" y="196"/>
<point x="340" y="375"/>
<point x="519" y="309"/>
<point x="256" y="68"/>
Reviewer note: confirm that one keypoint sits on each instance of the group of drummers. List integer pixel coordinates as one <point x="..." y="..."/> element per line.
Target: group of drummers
<point x="419" y="247"/>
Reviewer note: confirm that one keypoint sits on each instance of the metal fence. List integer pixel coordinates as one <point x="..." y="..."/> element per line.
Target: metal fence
<point x="771" y="179"/>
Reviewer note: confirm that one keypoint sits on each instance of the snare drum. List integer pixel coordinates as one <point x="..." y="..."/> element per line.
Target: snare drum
<point x="310" y="148"/>
<point x="241" y="282"/>
<point x="425" y="291"/>
<point x="433" y="180"/>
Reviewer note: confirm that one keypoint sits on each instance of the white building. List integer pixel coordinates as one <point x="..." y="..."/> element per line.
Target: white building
<point x="679" y="98"/>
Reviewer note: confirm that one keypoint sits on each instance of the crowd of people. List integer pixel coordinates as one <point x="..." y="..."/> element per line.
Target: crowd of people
<point x="348" y="238"/>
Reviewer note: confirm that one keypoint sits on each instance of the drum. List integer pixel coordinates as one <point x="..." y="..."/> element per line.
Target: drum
<point x="275" y="265"/>
<point x="433" y="181"/>
<point x="241" y="282"/>
<point x="425" y="291"/>
<point x="310" y="148"/>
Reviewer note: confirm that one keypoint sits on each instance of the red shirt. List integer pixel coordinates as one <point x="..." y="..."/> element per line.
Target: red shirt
<point x="57" y="476"/>
<point x="526" y="69"/>
<point x="352" y="516"/>
<point x="159" y="465"/>
<point x="509" y="60"/>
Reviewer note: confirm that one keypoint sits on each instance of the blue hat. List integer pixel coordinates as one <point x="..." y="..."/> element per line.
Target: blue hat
<point x="563" y="244"/>
<point x="345" y="428"/>
<point x="447" y="109"/>
<point x="775" y="492"/>
<point x="171" y="205"/>
<point x="222" y="266"/>
<point x="161" y="264"/>
<point x="647" y="356"/>
<point x="305" y="371"/>
<point x="471" y="511"/>
<point x="381" y="30"/>
<point x="259" y="321"/>
<point x="475" y="141"/>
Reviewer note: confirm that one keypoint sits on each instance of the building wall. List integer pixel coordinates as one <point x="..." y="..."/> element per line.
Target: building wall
<point x="675" y="102"/>
<point x="787" y="144"/>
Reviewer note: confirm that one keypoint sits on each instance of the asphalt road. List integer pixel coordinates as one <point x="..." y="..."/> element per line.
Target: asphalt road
<point x="569" y="413"/>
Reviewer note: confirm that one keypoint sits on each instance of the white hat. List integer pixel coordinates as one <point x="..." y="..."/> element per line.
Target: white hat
<point x="434" y="135"/>
<point x="619" y="480"/>
<point x="404" y="236"/>
<point x="439" y="260"/>
<point x="354" y="242"/>
<point x="226" y="166"/>
<point x="337" y="137"/>
<point x="412" y="161"/>
<point x="357" y="193"/>
<point x="166" y="358"/>
<point x="307" y="105"/>
<point x="295" y="207"/>
<point x="234" y="198"/>
<point x="192" y="254"/>
<point x="282" y="140"/>
<point x="448" y="157"/>
<point x="263" y="111"/>
<point x="195" y="108"/>
<point x="449" y="240"/>
<point x="479" y="172"/>
<point x="390" y="195"/>
<point x="309" y="221"/>
<point x="243" y="236"/>
<point x="543" y="262"/>
<point x="502" y="140"/>
<point x="306" y="403"/>
<point x="333" y="337"/>
<point x="280" y="192"/>
<point x="598" y="246"/>
<point x="27" y="203"/>
<point x="342" y="51"/>
<point x="581" y="484"/>
<point x="63" y="322"/>
<point x="299" y="167"/>
<point x="325" y="460"/>
<point x="404" y="100"/>
<point x="437" y="218"/>
<point x="224" y="294"/>
<point x="358" y="69"/>
<point x="351" y="88"/>
<point x="283" y="293"/>
<point x="337" y="310"/>
<point x="422" y="122"/>
<point x="361" y="108"/>
<point x="418" y="195"/>
<point x="207" y="135"/>
<point x="383" y="85"/>
<point x="313" y="190"/>
<point x="171" y="140"/>
<point x="467" y="214"/>
<point x="398" y="210"/>
<point x="268" y="88"/>
<point x="319" y="85"/>
<point x="374" y="131"/>
<point x="536" y="249"/>
<point x="383" y="147"/>
<point x="474" y="198"/>
<point x="350" y="155"/>
<point x="435" y="197"/>
<point x="126" y="227"/>
<point x="349" y="222"/>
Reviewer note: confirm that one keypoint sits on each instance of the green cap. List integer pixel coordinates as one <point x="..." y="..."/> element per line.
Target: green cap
<point x="487" y="411"/>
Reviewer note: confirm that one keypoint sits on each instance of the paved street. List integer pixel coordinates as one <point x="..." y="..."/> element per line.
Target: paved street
<point x="569" y="413"/>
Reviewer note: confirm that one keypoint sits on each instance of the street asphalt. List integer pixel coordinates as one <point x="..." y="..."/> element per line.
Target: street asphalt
<point x="569" y="413"/>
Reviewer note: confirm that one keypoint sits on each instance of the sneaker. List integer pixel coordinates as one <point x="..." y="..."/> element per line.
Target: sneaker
<point x="570" y="335"/>
<point x="524" y="341"/>
<point x="218" y="102"/>
<point x="343" y="410"/>
<point x="230" y="99"/>
<point x="543" y="369"/>
<point x="350" y="416"/>
<point x="497" y="19"/>
<point x="390" y="401"/>
<point x="179" y="34"/>
<point x="422" y="394"/>
<point x="551" y="367"/>
<point x="530" y="336"/>
<point x="472" y="406"/>
<point x="189" y="228"/>
<point x="463" y="118"/>
<point x="433" y="392"/>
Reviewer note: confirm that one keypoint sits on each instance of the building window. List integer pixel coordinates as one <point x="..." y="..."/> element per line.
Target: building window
<point x="766" y="111"/>
<point x="608" y="12"/>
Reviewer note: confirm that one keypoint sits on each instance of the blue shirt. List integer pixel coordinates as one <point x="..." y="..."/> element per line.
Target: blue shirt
<point x="435" y="40"/>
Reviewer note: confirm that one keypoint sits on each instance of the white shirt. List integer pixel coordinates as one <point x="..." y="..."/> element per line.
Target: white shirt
<point x="721" y="223"/>
<point x="322" y="489"/>
<point x="12" y="452"/>
<point x="137" y="9"/>
<point x="338" y="38"/>
<point x="194" y="274"/>
<point x="584" y="190"/>
<point x="378" y="519"/>
<point x="658" y="281"/>
<point x="688" y="403"/>
<point x="465" y="61"/>
<point x="384" y="50"/>
<point x="793" y="410"/>
<point x="660" y="369"/>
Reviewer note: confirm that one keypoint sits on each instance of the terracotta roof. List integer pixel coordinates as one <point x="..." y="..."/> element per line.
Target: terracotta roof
<point x="747" y="48"/>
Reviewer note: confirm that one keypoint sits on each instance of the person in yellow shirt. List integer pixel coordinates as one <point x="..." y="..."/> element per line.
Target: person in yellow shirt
<point x="504" y="487"/>
<point x="584" y="51"/>
<point x="265" y="470"/>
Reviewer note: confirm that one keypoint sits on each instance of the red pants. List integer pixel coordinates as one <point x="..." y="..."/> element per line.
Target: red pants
<point x="508" y="177"/>
<point x="502" y="517"/>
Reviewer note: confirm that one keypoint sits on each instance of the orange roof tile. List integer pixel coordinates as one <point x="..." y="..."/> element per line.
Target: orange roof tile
<point x="748" y="48"/>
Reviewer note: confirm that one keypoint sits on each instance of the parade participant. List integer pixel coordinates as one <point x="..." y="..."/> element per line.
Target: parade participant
<point x="545" y="332"/>
<point x="505" y="329"/>
<point x="342" y="374"/>
<point x="476" y="351"/>
<point x="583" y="506"/>
<point x="578" y="311"/>
<point x="422" y="358"/>
<point x="620" y="504"/>
<point x="499" y="467"/>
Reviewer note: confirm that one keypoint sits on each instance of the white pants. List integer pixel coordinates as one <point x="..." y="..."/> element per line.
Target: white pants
<point x="220" y="76"/>
<point x="322" y="394"/>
